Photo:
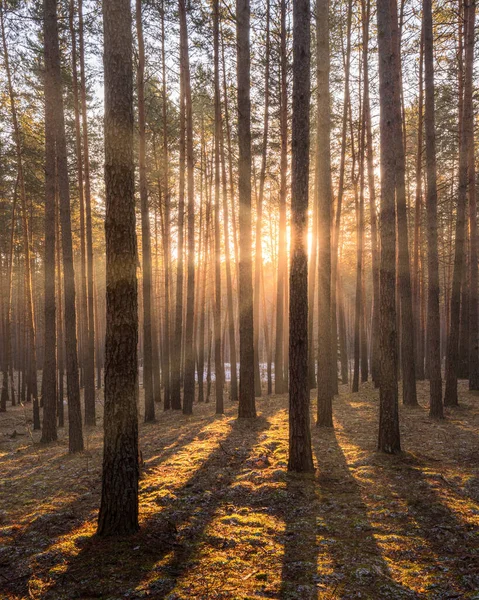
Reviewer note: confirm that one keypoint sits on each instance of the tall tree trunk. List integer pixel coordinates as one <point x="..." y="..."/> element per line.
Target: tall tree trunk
<point x="300" y="454"/>
<point x="389" y="437"/>
<point x="166" y="238"/>
<point x="259" y="209"/>
<point x="337" y="217"/>
<point x="61" y="339"/>
<point x="404" y="274"/>
<point x="145" y="226"/>
<point x="417" y="266"/>
<point x="90" y="358"/>
<point x="86" y="359"/>
<point x="452" y="354"/>
<point x="327" y="351"/>
<point x="433" y="314"/>
<point x="471" y="186"/>
<point x="189" y="370"/>
<point x="218" y="134"/>
<point x="119" y="501"/>
<point x="247" y="406"/>
<point x="279" y="375"/>
<point x="49" y="381"/>
<point x="73" y="386"/>
<point x="366" y="9"/>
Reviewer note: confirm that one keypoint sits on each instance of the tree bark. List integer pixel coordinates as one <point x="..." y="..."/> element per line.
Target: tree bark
<point x="247" y="406"/>
<point x="389" y="437"/>
<point x="300" y="454"/>
<point x="119" y="502"/>
<point x="327" y="359"/>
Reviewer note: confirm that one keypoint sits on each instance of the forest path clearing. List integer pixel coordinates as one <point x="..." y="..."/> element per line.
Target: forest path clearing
<point x="221" y="518"/>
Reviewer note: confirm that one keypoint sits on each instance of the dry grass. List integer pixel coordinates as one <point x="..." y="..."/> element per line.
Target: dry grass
<point x="221" y="517"/>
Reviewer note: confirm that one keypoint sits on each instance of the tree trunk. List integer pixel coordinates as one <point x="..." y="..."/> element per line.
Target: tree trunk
<point x="327" y="351"/>
<point x="247" y="406"/>
<point x="218" y="134"/>
<point x="145" y="226"/>
<point x="279" y="375"/>
<point x="389" y="437"/>
<point x="452" y="354"/>
<point x="119" y="501"/>
<point x="300" y="454"/>
<point x="49" y="381"/>
<point x="404" y="274"/>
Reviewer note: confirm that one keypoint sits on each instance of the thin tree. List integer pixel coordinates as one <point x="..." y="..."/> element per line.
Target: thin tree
<point x="327" y="369"/>
<point x="433" y="315"/>
<point x="145" y="225"/>
<point x="217" y="240"/>
<point x="247" y="406"/>
<point x="49" y="381"/>
<point x="189" y="371"/>
<point x="279" y="375"/>
<point x="119" y="500"/>
<point x="452" y="353"/>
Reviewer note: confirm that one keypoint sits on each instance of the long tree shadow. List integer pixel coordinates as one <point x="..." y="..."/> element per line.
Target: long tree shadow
<point x="27" y="548"/>
<point x="347" y="539"/>
<point x="419" y="501"/>
<point x="169" y="540"/>
<point x="300" y="512"/>
<point x="454" y="541"/>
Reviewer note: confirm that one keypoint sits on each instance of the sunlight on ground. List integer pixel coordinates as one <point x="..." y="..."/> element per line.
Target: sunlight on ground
<point x="222" y="518"/>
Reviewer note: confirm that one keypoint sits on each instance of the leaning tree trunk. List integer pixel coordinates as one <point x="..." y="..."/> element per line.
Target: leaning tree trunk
<point x="119" y="500"/>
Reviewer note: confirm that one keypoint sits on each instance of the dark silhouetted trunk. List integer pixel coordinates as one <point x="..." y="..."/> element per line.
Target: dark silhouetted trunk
<point x="119" y="499"/>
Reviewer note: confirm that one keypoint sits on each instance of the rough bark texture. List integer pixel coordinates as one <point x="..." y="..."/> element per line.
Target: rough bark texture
<point x="247" y="406"/>
<point x="433" y="314"/>
<point x="389" y="439"/>
<point x="119" y="500"/>
<point x="327" y="369"/>
<point x="49" y="381"/>
<point x="300" y="454"/>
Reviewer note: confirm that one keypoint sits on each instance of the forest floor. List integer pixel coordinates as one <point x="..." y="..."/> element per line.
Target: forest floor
<point x="222" y="518"/>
